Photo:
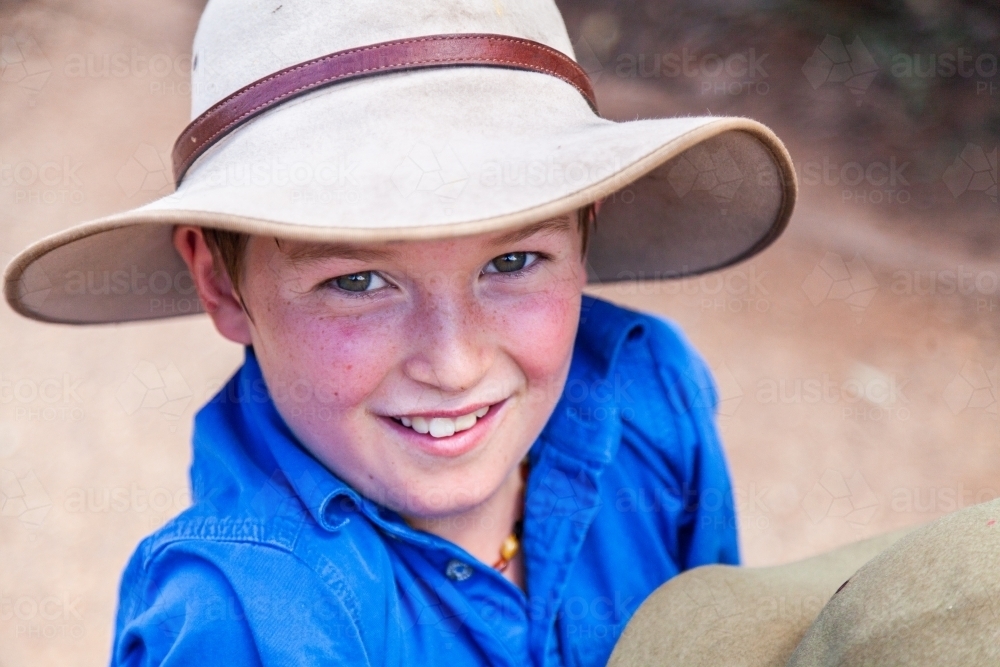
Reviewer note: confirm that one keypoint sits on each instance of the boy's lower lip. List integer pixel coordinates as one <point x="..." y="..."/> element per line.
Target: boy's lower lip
<point x="453" y="445"/>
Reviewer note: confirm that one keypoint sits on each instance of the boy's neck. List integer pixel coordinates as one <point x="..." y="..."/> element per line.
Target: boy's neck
<point x="482" y="530"/>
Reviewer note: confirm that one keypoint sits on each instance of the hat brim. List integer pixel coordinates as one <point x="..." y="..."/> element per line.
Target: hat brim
<point x="725" y="615"/>
<point x="431" y="154"/>
<point x="931" y="600"/>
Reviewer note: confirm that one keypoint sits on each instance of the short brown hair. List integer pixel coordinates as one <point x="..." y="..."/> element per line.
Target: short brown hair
<point x="230" y="247"/>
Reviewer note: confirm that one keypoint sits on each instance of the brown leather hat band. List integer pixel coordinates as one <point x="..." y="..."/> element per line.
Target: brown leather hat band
<point x="394" y="56"/>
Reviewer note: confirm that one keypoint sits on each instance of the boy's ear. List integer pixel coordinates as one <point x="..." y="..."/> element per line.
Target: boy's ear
<point x="215" y="289"/>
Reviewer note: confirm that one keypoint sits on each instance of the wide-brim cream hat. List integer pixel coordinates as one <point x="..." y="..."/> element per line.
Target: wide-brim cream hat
<point x="363" y="122"/>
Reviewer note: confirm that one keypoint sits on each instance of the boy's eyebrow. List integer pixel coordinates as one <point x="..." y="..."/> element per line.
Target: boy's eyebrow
<point x="554" y="225"/>
<point x="314" y="252"/>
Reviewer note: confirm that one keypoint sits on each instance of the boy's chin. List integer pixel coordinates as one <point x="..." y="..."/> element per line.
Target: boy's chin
<point x="437" y="501"/>
<point x="443" y="505"/>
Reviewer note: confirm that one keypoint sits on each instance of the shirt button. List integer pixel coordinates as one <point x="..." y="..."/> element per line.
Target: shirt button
<point x="456" y="570"/>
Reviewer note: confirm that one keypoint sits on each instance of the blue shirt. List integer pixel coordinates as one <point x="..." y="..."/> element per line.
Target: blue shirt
<point x="279" y="562"/>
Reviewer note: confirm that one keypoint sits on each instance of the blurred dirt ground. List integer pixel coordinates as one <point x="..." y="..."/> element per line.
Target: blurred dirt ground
<point x="857" y="362"/>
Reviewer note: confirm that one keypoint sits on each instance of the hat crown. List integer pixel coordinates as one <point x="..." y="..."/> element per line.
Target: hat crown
<point x="241" y="41"/>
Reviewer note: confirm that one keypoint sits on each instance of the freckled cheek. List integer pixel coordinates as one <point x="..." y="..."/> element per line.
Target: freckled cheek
<point x="540" y="332"/>
<point x="345" y="358"/>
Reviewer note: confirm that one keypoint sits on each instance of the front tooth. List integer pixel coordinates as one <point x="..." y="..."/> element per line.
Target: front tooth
<point x="420" y="425"/>
<point x="442" y="427"/>
<point x="465" y="422"/>
<point x="406" y="421"/>
<point x="481" y="411"/>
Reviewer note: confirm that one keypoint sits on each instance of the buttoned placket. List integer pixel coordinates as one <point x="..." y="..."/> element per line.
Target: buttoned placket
<point x="485" y="601"/>
<point x="482" y="597"/>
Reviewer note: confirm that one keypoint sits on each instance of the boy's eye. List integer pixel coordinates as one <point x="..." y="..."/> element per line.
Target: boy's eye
<point x="511" y="262"/>
<point x="366" y="281"/>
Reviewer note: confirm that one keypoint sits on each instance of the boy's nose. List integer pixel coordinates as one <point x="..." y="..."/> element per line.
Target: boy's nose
<point x="451" y="350"/>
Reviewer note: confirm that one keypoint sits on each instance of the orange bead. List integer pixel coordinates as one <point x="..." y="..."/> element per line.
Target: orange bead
<point x="510" y="547"/>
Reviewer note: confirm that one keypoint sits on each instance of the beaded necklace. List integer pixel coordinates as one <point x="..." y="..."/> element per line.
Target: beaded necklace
<point x="512" y="543"/>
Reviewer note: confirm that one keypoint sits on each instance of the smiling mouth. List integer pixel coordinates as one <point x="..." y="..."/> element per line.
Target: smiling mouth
<point x="442" y="427"/>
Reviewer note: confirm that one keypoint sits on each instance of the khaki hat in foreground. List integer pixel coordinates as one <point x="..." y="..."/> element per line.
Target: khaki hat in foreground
<point x="932" y="600"/>
<point x="725" y="616"/>
<point x="398" y="152"/>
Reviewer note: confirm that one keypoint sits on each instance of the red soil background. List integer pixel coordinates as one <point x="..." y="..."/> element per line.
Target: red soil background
<point x="859" y="378"/>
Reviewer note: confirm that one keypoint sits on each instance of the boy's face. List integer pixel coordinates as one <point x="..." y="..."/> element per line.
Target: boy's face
<point x="383" y="358"/>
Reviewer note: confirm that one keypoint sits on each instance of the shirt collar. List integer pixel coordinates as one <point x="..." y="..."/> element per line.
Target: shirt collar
<point x="604" y="328"/>
<point x="322" y="492"/>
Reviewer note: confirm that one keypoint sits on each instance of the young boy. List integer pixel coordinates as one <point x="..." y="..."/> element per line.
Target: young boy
<point x="437" y="448"/>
